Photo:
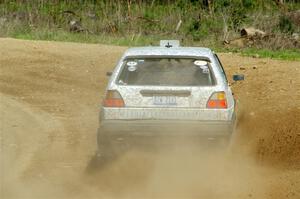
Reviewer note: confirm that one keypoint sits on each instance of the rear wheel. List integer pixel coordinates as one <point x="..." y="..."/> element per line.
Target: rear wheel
<point x="110" y="147"/>
<point x="105" y="148"/>
<point x="104" y="154"/>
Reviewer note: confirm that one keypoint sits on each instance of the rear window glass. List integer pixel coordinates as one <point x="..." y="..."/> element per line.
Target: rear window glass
<point x="166" y="72"/>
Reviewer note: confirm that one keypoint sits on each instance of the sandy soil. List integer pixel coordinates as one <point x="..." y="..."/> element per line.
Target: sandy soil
<point x="50" y="97"/>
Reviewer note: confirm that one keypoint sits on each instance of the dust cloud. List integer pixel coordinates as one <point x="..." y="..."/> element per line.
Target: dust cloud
<point x="187" y="172"/>
<point x="176" y="172"/>
<point x="182" y="168"/>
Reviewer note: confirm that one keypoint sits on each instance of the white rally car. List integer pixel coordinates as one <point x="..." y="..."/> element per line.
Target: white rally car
<point x="167" y="91"/>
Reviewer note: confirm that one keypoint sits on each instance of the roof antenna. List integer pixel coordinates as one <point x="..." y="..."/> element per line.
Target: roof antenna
<point x="168" y="45"/>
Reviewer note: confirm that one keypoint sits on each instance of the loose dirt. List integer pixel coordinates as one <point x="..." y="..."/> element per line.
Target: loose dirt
<point x="49" y="103"/>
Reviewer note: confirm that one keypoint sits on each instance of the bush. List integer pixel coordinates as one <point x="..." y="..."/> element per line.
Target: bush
<point x="285" y="25"/>
<point x="142" y="19"/>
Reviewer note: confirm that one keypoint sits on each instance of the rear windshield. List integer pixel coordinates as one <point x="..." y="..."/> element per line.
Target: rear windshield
<point x="166" y="72"/>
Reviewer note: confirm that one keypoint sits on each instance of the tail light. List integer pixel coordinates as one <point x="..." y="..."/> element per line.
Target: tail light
<point x="217" y="100"/>
<point x="113" y="99"/>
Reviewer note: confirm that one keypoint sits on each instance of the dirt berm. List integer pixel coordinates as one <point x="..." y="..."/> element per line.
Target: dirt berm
<point x="50" y="98"/>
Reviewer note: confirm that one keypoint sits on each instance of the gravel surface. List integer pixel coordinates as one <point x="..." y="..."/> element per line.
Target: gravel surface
<point x="50" y="94"/>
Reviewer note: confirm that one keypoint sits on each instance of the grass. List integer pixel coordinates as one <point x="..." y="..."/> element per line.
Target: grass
<point x="288" y="54"/>
<point x="61" y="35"/>
<point x="133" y="40"/>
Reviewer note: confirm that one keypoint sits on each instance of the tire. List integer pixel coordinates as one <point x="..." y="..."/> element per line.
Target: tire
<point x="233" y="137"/>
<point x="103" y="155"/>
<point x="105" y="148"/>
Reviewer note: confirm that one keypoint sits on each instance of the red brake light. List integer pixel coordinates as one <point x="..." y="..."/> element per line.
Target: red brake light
<point x="217" y="100"/>
<point x="113" y="99"/>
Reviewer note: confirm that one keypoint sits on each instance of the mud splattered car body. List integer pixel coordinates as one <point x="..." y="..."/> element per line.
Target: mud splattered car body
<point x="155" y="88"/>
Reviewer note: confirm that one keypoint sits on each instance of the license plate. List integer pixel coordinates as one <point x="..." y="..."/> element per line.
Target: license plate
<point x="164" y="100"/>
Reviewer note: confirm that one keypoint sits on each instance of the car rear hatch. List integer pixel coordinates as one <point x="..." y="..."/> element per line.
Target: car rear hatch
<point x="165" y="88"/>
<point x="166" y="82"/>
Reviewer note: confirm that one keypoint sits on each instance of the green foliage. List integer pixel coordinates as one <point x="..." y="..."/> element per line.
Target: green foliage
<point x="249" y="4"/>
<point x="138" y="23"/>
<point x="285" y="25"/>
<point x="238" y="18"/>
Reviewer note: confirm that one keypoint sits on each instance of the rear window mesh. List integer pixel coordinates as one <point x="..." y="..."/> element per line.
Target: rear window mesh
<point x="166" y="72"/>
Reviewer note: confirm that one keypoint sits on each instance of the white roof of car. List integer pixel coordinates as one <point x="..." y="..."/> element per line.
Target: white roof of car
<point x="164" y="51"/>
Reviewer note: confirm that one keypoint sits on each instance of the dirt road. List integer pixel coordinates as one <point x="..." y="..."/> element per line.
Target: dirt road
<point x="49" y="102"/>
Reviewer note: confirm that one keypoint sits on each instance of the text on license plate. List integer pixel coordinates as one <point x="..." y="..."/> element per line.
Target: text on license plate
<point x="164" y="100"/>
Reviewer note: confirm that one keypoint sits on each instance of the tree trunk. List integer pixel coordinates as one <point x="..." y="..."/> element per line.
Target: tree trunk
<point x="209" y="5"/>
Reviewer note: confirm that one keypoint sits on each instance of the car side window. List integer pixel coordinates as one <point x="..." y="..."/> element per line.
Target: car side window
<point x="220" y="66"/>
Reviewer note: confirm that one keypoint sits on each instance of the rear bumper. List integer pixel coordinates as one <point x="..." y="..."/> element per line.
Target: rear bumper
<point x="132" y="114"/>
<point x="150" y="128"/>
